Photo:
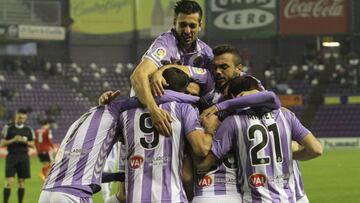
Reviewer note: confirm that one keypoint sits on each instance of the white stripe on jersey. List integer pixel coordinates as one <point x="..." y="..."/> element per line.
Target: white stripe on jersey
<point x="97" y="150"/>
<point x="59" y="156"/>
<point x="297" y="177"/>
<point x="291" y="162"/>
<point x="78" y="144"/>
<point x="277" y="166"/>
<point x="176" y="184"/>
<point x="113" y="155"/>
<point x="245" y="188"/>
<point x="157" y="171"/>
<point x="138" y="174"/>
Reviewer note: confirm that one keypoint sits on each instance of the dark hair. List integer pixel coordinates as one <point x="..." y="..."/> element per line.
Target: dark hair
<point x="187" y="7"/>
<point x="177" y="79"/>
<point x="228" y="49"/>
<point x="242" y="83"/>
<point x="22" y="110"/>
<point x="45" y="121"/>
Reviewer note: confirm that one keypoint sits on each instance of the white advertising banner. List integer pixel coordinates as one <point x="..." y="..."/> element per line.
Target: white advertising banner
<point x="41" y="32"/>
<point x="340" y="142"/>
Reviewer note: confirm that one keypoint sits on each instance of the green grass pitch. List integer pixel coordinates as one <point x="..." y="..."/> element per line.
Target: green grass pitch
<point x="332" y="178"/>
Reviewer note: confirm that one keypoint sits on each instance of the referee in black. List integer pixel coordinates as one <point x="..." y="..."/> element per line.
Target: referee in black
<point x="17" y="137"/>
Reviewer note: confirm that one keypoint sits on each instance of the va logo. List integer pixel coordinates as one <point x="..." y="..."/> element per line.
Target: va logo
<point x="257" y="180"/>
<point x="205" y="181"/>
<point x="136" y="161"/>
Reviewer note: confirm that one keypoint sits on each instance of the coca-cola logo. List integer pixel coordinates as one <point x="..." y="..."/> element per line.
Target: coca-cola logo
<point x="314" y="8"/>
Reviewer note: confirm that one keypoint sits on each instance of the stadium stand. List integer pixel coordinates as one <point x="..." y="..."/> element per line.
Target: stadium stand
<point x="65" y="99"/>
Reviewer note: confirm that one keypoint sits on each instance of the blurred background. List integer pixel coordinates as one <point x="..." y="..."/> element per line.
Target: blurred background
<point x="58" y="56"/>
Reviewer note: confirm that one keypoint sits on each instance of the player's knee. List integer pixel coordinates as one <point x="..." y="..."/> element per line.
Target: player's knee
<point x="9" y="183"/>
<point x="21" y="183"/>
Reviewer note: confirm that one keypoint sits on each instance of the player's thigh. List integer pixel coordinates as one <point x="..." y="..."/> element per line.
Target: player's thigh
<point x="217" y="199"/>
<point x="60" y="197"/>
<point x="23" y="167"/>
<point x="303" y="199"/>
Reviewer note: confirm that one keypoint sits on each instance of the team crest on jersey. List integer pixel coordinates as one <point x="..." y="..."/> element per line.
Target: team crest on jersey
<point x="257" y="180"/>
<point x="159" y="53"/>
<point x="199" y="71"/>
<point x="136" y="161"/>
<point x="205" y="181"/>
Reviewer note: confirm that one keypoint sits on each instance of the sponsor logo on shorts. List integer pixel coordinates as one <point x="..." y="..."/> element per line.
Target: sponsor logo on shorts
<point x="199" y="71"/>
<point x="159" y="53"/>
<point x="205" y="181"/>
<point x="257" y="180"/>
<point x="136" y="161"/>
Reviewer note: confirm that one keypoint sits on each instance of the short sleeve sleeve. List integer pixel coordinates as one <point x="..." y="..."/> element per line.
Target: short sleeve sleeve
<point x="298" y="131"/>
<point x="190" y="118"/>
<point x="159" y="51"/>
<point x="4" y="132"/>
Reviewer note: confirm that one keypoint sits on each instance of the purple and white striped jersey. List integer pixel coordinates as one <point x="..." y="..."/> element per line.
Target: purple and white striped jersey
<point x="299" y="186"/>
<point x="166" y="50"/>
<point x="153" y="167"/>
<point x="220" y="180"/>
<point x="81" y="157"/>
<point x="114" y="153"/>
<point x="263" y="146"/>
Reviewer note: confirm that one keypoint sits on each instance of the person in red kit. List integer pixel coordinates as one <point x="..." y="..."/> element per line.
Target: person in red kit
<point x="44" y="146"/>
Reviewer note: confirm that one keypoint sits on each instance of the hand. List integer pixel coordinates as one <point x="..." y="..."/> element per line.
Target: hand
<point x="157" y="83"/>
<point x="108" y="96"/>
<point x="209" y="111"/>
<point x="295" y="146"/>
<point x="24" y="139"/>
<point x="210" y="123"/>
<point x="17" y="138"/>
<point x="162" y="121"/>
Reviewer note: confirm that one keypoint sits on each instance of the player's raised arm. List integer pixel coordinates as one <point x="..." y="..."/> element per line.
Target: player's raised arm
<point x="140" y="82"/>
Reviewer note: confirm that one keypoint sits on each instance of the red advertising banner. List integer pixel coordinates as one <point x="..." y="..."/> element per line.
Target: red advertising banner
<point x="313" y="16"/>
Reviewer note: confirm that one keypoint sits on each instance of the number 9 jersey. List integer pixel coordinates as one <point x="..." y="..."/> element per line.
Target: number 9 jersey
<point x="153" y="163"/>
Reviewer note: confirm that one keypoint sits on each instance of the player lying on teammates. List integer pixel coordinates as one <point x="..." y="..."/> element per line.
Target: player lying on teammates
<point x="262" y="141"/>
<point x="219" y="184"/>
<point x="140" y="159"/>
<point x="76" y="173"/>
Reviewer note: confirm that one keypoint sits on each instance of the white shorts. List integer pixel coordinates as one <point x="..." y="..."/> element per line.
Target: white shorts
<point x="217" y="199"/>
<point x="61" y="197"/>
<point x="304" y="199"/>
